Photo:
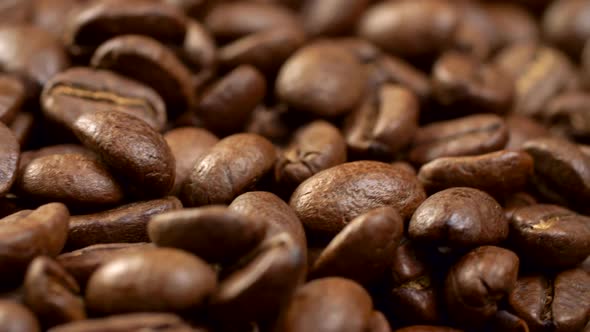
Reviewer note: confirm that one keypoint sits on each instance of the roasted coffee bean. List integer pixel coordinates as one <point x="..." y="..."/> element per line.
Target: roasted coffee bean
<point x="384" y="124"/>
<point x="52" y="293"/>
<point x="28" y="233"/>
<point x="550" y="235"/>
<point x="127" y="223"/>
<point x="330" y="199"/>
<point x="465" y="83"/>
<point x="505" y="321"/>
<point x="348" y="304"/>
<point x="476" y="33"/>
<point x="427" y="328"/>
<point x="477" y="282"/>
<point x="301" y="80"/>
<point x="12" y="96"/>
<point x="76" y="180"/>
<point x="498" y="173"/>
<point x="99" y="21"/>
<point x="9" y="158"/>
<point x="201" y="230"/>
<point x="567" y="115"/>
<point x="565" y="25"/>
<point x="76" y="91"/>
<point x="458" y="218"/>
<point x="272" y="123"/>
<point x="130" y="148"/>
<point x="562" y="170"/>
<point x="362" y="250"/>
<point x="199" y="51"/>
<point x="135" y="322"/>
<point x="558" y="303"/>
<point x="150" y="62"/>
<point x="313" y="148"/>
<point x="523" y="128"/>
<point x="187" y="145"/>
<point x="231" y="167"/>
<point x="379" y="323"/>
<point x="389" y="69"/>
<point x="225" y="107"/>
<point x="22" y="126"/>
<point x="332" y="17"/>
<point x="27" y="157"/>
<point x="513" y="23"/>
<point x="410" y="28"/>
<point x="151" y="280"/>
<point x="470" y="135"/>
<point x="15" y="317"/>
<point x="81" y="263"/>
<point x="516" y="201"/>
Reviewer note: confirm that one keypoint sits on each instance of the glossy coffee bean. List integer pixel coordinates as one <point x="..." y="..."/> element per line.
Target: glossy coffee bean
<point x="60" y="149"/>
<point x="330" y="199"/>
<point x="564" y="25"/>
<point x="495" y="173"/>
<point x="201" y="230"/>
<point x="9" y="158"/>
<point x="567" y="115"/>
<point x="477" y="282"/>
<point x="300" y="82"/>
<point x="523" y="128"/>
<point x="75" y="91"/>
<point x="131" y="149"/>
<point x="52" y="293"/>
<point x="470" y="135"/>
<point x="459" y="218"/>
<point x="127" y="223"/>
<point x="231" y="167"/>
<point x="151" y="280"/>
<point x="15" y="317"/>
<point x="557" y="303"/>
<point x="332" y="17"/>
<point x="135" y="322"/>
<point x="12" y="96"/>
<point x="550" y="235"/>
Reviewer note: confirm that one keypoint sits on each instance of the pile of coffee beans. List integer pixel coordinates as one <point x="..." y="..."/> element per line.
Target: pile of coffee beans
<point x="294" y="165"/>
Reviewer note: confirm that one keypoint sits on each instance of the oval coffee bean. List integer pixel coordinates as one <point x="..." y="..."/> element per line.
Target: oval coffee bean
<point x="349" y="305"/>
<point x="52" y="293"/>
<point x="131" y="149"/>
<point x="135" y="322"/>
<point x="565" y="25"/>
<point x="12" y="96"/>
<point x="78" y="90"/>
<point x="495" y="173"/>
<point x="187" y="144"/>
<point x="27" y="234"/>
<point x="201" y="230"/>
<point x="560" y="303"/>
<point x="9" y="158"/>
<point x="330" y="199"/>
<point x="470" y="135"/>
<point x="550" y="235"/>
<point x="313" y="148"/>
<point x="15" y="317"/>
<point x="332" y="17"/>
<point x="459" y="218"/>
<point x="151" y="280"/>
<point x="231" y="167"/>
<point x="76" y="180"/>
<point x="127" y="223"/>
<point x="301" y="80"/>
<point x="362" y="250"/>
<point x="477" y="282"/>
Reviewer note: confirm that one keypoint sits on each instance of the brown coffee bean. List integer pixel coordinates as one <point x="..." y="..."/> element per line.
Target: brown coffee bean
<point x="81" y="263"/>
<point x="225" y="107"/>
<point x="9" y="158"/>
<point x="127" y="223"/>
<point x="562" y="171"/>
<point x="505" y="321"/>
<point x="187" y="145"/>
<point x="470" y="135"/>
<point x="52" y="293"/>
<point x="130" y="148"/>
<point x="469" y="85"/>
<point x="362" y="250"/>
<point x="152" y="280"/>
<point x="550" y="235"/>
<point x="76" y="180"/>
<point x="27" y="234"/>
<point x="498" y="173"/>
<point x="410" y="28"/>
<point x="515" y="201"/>
<point x="384" y="124"/>
<point x="348" y="304"/>
<point x="567" y="115"/>
<point x="272" y="123"/>
<point x="199" y="51"/>
<point x="330" y="199"/>
<point x="148" y="61"/>
<point x="379" y="323"/>
<point x="476" y="33"/>
<point x="426" y="328"/>
<point x="513" y="23"/>
<point x="392" y="70"/>
<point x="558" y="303"/>
<point x="75" y="91"/>
<point x="27" y="157"/>
<point x="135" y="322"/>
<point x="17" y="318"/>
<point x="332" y="17"/>
<point x="585" y="62"/>
<point x="12" y="12"/>
<point x="523" y="128"/>
<point x="458" y="218"/>
<point x="231" y="167"/>
<point x="477" y="282"/>
<point x="565" y="25"/>
<point x="12" y="96"/>
<point x="201" y="230"/>
<point x="313" y="148"/>
<point x="301" y="80"/>
<point x="22" y="126"/>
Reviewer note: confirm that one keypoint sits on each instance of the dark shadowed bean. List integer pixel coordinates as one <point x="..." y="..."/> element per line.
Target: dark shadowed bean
<point x="332" y="17"/>
<point x="523" y="128"/>
<point x="379" y="323"/>
<point x="199" y="51"/>
<point x="22" y="126"/>
<point x="427" y="328"/>
<point x="17" y="318"/>
<point x="136" y="322"/>
<point x="389" y="69"/>
<point x="9" y="158"/>
<point x="567" y="114"/>
<point x="12" y="96"/>
<point x="505" y="321"/>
